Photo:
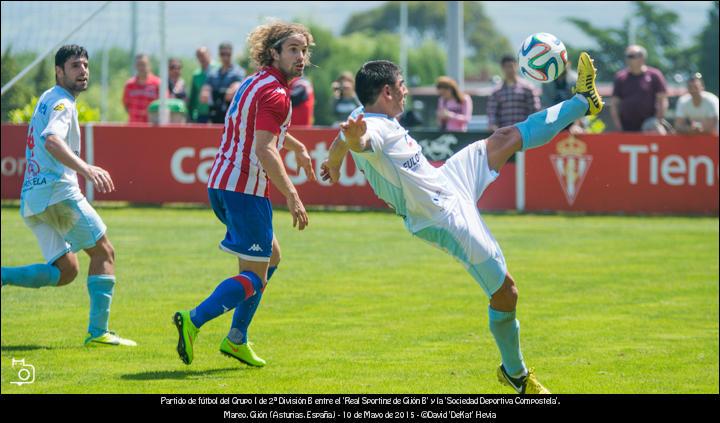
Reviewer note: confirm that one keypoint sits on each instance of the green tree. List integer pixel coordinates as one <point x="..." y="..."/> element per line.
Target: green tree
<point x="654" y="29"/>
<point x="426" y="20"/>
<point x="21" y="93"/>
<point x="707" y="46"/>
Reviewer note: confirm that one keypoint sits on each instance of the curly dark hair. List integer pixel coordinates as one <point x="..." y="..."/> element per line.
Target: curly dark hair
<point x="271" y="36"/>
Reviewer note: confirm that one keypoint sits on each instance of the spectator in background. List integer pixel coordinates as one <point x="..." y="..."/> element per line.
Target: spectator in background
<point x="140" y="90"/>
<point x="454" y="108"/>
<point x="697" y="111"/>
<point x="176" y="85"/>
<point x="221" y="85"/>
<point x="639" y="92"/>
<point x="560" y="90"/>
<point x="345" y="98"/>
<point x="514" y="101"/>
<point x="197" y="111"/>
<point x="655" y="126"/>
<point x="302" y="98"/>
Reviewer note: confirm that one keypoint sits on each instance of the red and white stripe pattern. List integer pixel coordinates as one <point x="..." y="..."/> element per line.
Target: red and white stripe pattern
<point x="236" y="167"/>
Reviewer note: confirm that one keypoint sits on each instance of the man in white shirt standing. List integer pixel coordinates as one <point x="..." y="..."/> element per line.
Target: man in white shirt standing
<point x="697" y="111"/>
<point x="52" y="205"/>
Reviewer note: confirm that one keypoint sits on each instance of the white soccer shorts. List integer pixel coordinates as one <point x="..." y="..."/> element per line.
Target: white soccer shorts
<point x="464" y="234"/>
<point x="70" y="225"/>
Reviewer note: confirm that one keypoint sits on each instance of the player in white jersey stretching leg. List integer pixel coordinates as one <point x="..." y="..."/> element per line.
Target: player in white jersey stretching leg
<point x="52" y="205"/>
<point x="439" y="205"/>
<point x="247" y="161"/>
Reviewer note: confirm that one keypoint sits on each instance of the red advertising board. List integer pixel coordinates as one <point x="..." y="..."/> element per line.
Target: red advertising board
<point x="609" y="173"/>
<point x="622" y="172"/>
<point x="150" y="164"/>
<point x="13" y="159"/>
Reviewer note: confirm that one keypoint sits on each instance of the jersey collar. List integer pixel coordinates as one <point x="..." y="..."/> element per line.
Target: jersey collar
<point x="380" y="115"/>
<point x="277" y="74"/>
<point x="65" y="91"/>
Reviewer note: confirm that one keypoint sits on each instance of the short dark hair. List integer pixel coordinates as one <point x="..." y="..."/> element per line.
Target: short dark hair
<point x="508" y="58"/>
<point x="372" y="76"/>
<point x="225" y="45"/>
<point x="68" y="51"/>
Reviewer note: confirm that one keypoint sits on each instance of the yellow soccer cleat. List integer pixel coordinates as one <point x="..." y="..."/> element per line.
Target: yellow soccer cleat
<point x="586" y="84"/>
<point x="187" y="333"/>
<point x="527" y="385"/>
<point x="241" y="352"/>
<point x="109" y="338"/>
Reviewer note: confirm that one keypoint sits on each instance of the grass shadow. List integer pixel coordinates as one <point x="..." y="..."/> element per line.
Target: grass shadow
<point x="23" y="348"/>
<point x="178" y="374"/>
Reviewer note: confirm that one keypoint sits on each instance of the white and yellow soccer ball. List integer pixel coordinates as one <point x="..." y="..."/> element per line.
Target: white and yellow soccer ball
<point x="542" y="57"/>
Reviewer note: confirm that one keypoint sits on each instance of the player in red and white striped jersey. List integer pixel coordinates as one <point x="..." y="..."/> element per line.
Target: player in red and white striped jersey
<point x="247" y="161"/>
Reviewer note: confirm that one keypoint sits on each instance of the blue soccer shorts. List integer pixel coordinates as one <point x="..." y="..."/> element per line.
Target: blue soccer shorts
<point x="248" y="220"/>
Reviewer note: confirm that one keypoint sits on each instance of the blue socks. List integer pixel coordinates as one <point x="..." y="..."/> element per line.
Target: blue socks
<point x="32" y="276"/>
<point x="245" y="311"/>
<point x="100" y="289"/>
<point x="226" y="296"/>
<point x="506" y="330"/>
<point x="541" y="127"/>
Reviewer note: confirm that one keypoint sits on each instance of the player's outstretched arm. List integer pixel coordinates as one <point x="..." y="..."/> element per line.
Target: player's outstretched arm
<point x="62" y="153"/>
<point x="354" y="131"/>
<point x="301" y="155"/>
<point x="331" y="166"/>
<point x="271" y="161"/>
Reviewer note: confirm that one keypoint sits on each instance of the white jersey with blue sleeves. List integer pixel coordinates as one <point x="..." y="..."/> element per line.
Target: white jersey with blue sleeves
<point x="47" y="181"/>
<point x="400" y="174"/>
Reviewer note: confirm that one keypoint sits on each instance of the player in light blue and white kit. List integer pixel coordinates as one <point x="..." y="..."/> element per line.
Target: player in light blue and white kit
<point x="439" y="205"/>
<point x="52" y="205"/>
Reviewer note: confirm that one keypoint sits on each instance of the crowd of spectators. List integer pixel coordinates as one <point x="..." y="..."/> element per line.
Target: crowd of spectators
<point x="639" y="100"/>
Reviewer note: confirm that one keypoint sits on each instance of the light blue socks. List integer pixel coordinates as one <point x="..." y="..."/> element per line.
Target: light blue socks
<point x="100" y="289"/>
<point x="31" y="276"/>
<point x="541" y="127"/>
<point x="506" y="330"/>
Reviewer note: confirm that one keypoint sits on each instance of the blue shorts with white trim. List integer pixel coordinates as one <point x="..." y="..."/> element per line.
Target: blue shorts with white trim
<point x="248" y="219"/>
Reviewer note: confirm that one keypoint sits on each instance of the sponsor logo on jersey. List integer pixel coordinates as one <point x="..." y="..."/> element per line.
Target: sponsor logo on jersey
<point x="413" y="161"/>
<point x="33" y="168"/>
<point x="571" y="164"/>
<point x="59" y="108"/>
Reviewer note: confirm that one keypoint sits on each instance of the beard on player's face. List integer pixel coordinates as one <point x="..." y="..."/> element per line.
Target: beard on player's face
<point x="73" y="79"/>
<point x="73" y="85"/>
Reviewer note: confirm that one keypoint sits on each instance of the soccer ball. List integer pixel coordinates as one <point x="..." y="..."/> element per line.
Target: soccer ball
<point x="542" y="57"/>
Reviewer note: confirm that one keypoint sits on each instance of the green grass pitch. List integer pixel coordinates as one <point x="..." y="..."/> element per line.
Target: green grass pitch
<point x="607" y="305"/>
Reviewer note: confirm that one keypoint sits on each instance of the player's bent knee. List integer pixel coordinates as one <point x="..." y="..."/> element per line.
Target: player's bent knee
<point x="103" y="251"/>
<point x="68" y="274"/>
<point x="276" y="256"/>
<point x="505" y="298"/>
<point x="506" y="138"/>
